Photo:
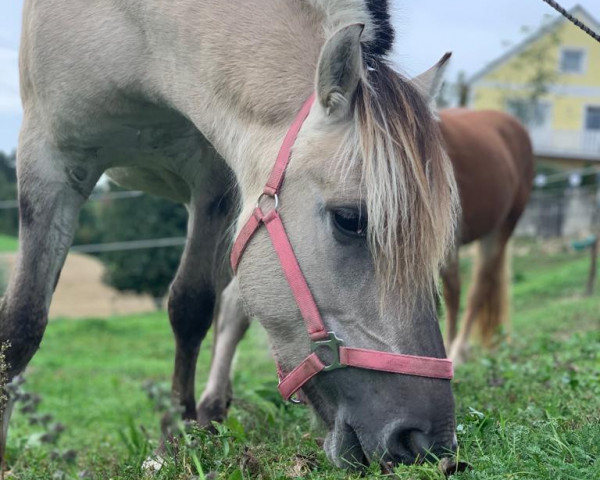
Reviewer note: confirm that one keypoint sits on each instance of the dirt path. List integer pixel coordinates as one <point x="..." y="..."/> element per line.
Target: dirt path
<point x="80" y="292"/>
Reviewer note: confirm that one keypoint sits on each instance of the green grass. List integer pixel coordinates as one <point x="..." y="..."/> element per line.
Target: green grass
<point x="8" y="244"/>
<point x="529" y="411"/>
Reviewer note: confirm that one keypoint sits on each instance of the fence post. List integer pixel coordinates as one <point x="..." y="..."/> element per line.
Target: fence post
<point x="593" y="267"/>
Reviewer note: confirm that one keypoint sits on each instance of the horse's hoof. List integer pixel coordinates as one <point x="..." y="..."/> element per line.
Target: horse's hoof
<point x="459" y="353"/>
<point x="211" y="410"/>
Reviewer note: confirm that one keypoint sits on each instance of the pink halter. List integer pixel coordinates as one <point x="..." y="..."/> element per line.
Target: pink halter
<point x="319" y="336"/>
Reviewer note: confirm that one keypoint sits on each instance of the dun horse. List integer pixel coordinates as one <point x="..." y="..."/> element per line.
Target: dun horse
<point x="493" y="164"/>
<point x="192" y="99"/>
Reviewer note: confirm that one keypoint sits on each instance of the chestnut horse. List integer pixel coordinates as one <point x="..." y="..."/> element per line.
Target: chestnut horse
<point x="494" y="166"/>
<point x="493" y="163"/>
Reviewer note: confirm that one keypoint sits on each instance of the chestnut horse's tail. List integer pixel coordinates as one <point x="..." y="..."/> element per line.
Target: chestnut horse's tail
<point x="493" y="267"/>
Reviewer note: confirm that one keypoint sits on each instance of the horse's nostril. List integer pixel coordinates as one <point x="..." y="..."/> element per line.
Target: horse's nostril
<point x="420" y="443"/>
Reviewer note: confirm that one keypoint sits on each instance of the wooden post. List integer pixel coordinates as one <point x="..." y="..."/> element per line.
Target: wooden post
<point x="593" y="267"/>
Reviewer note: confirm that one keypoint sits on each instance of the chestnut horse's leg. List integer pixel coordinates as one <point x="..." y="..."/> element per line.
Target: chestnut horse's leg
<point x="53" y="184"/>
<point x="451" y="279"/>
<point x="488" y="298"/>
<point x="232" y="323"/>
<point x="192" y="299"/>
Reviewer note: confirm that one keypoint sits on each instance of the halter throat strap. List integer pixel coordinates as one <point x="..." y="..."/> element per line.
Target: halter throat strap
<point x="320" y="338"/>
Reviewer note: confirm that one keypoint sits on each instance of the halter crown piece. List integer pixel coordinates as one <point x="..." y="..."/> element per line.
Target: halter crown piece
<point x="320" y="338"/>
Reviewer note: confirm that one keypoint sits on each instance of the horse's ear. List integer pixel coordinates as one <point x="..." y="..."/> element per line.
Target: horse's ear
<point x="340" y="69"/>
<point x="429" y="82"/>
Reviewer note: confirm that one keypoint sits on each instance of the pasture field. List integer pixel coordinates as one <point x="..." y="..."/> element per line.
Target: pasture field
<point x="529" y="411"/>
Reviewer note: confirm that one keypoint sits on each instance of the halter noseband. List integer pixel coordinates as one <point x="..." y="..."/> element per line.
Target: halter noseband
<point x="320" y="338"/>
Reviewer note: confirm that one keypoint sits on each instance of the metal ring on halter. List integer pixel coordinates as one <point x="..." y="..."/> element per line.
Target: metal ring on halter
<point x="275" y="197"/>
<point x="332" y="343"/>
<point x="295" y="398"/>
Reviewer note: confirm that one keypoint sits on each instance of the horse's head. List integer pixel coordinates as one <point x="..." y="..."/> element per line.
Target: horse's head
<point x="369" y="205"/>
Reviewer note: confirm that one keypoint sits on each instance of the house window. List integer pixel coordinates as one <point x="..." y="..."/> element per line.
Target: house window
<point x="532" y="114"/>
<point x="592" y="118"/>
<point x="571" y="60"/>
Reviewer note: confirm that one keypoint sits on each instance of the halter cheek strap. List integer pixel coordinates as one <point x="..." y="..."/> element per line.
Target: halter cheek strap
<point x="320" y="338"/>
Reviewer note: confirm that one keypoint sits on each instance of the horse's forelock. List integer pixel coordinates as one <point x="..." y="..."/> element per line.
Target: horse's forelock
<point x="411" y="194"/>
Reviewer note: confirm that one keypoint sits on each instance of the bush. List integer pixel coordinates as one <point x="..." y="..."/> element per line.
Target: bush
<point x="147" y="270"/>
<point x="9" y="218"/>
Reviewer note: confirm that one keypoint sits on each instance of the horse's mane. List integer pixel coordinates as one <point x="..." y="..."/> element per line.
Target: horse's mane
<point x="411" y="195"/>
<point x="378" y="35"/>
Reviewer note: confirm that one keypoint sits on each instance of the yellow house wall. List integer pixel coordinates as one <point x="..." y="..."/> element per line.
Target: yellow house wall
<point x="492" y="90"/>
<point x="571" y="36"/>
<point x="568" y="113"/>
<point x="487" y="98"/>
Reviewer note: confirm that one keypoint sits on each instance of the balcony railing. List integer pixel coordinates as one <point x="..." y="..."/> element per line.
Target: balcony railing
<point x="584" y="144"/>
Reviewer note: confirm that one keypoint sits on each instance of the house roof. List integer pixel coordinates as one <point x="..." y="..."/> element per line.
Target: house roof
<point x="576" y="11"/>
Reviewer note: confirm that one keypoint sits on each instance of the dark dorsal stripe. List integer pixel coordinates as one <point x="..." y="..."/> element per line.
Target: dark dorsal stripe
<point x="384" y="32"/>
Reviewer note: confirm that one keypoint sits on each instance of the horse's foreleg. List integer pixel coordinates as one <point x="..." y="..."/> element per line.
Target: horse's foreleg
<point x="53" y="184"/>
<point x="487" y="297"/>
<point x="232" y="323"/>
<point x="191" y="303"/>
<point x="451" y="278"/>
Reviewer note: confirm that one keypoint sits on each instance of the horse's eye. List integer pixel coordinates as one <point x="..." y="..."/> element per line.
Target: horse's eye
<point x="350" y="222"/>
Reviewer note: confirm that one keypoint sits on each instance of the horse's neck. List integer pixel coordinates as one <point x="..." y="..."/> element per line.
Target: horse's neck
<point x="235" y="67"/>
<point x="240" y="70"/>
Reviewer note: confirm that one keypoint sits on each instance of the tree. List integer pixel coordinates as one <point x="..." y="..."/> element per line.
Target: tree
<point x="454" y="94"/>
<point x="89" y="227"/>
<point x="531" y="74"/>
<point x="462" y="89"/>
<point x="9" y="217"/>
<point x="144" y="217"/>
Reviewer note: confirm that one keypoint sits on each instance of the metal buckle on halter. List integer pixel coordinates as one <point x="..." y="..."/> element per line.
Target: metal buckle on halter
<point x="333" y="344"/>
<point x="275" y="198"/>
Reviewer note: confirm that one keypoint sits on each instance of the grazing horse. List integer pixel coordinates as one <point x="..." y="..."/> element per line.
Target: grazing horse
<point x="191" y="100"/>
<point x="494" y="166"/>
